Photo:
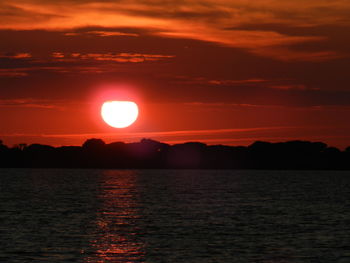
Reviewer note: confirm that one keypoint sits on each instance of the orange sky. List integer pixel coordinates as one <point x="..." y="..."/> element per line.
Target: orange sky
<point x="223" y="71"/>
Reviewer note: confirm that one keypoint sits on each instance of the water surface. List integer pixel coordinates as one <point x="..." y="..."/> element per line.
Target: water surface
<point x="174" y="216"/>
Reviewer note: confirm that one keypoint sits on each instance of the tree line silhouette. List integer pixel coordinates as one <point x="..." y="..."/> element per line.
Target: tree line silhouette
<point x="147" y="153"/>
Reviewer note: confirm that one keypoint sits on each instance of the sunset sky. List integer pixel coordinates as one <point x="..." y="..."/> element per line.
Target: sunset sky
<point x="221" y="72"/>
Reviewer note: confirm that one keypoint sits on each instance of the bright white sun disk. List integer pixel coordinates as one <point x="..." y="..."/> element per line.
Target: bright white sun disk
<point x="119" y="114"/>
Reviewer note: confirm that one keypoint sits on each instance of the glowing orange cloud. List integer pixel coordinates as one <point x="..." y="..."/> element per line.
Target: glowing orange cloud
<point x="221" y="22"/>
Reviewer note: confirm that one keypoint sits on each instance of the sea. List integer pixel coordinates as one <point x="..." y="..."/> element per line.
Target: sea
<point x="62" y="215"/>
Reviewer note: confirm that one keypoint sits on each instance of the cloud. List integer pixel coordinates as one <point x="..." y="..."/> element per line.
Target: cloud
<point x="123" y="57"/>
<point x="76" y="69"/>
<point x="287" y="87"/>
<point x="214" y="136"/>
<point x="168" y="134"/>
<point x="118" y="57"/>
<point x="279" y="84"/>
<point x="67" y="62"/>
<point x="102" y="33"/>
<point x="57" y="55"/>
<point x="16" y="55"/>
<point x="290" y="55"/>
<point x="208" y="20"/>
<point x="271" y="138"/>
<point x="221" y="82"/>
<point x="233" y="82"/>
<point x="29" y="103"/>
<point x="13" y="73"/>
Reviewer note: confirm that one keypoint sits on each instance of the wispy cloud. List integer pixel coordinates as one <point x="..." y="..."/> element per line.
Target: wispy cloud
<point x="29" y="103"/>
<point x="242" y="136"/>
<point x="235" y="82"/>
<point x="292" y="87"/>
<point x="57" y="55"/>
<point x="272" y="138"/>
<point x="102" y="33"/>
<point x="219" y="82"/>
<point x="168" y="134"/>
<point x="124" y="57"/>
<point x="287" y="54"/>
<point x="74" y="69"/>
<point x="219" y="22"/>
<point x="16" y="55"/>
<point x="279" y="84"/>
<point x="115" y="57"/>
<point x="67" y="62"/>
<point x="13" y="73"/>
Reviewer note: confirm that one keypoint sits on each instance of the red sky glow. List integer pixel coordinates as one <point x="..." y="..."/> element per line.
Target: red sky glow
<point x="220" y="72"/>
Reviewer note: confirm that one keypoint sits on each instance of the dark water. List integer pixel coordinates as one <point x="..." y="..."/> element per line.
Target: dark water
<point x="174" y="216"/>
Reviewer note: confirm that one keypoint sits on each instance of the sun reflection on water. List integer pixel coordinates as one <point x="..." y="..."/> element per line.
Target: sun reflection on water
<point x="117" y="238"/>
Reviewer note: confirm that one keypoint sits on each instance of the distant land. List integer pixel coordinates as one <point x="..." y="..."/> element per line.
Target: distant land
<point x="150" y="154"/>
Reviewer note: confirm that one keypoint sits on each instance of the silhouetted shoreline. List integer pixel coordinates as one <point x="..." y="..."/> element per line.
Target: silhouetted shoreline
<point x="150" y="154"/>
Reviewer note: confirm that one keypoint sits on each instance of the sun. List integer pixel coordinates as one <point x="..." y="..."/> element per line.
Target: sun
<point x="119" y="114"/>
